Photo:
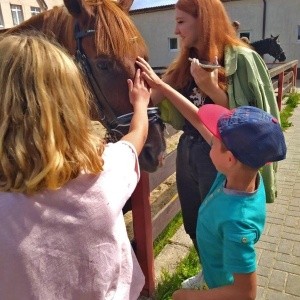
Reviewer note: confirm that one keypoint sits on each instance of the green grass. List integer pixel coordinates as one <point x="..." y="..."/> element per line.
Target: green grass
<point x="190" y="266"/>
<point x="291" y="103"/>
<point x="163" y="239"/>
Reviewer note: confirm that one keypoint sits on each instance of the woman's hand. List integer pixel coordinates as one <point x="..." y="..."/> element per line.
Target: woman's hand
<point x="206" y="79"/>
<point x="148" y="74"/>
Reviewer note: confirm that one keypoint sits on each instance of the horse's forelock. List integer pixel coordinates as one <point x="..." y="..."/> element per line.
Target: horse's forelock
<point x="115" y="32"/>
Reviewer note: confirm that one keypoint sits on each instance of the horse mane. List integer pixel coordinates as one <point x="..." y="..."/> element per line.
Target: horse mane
<point x="259" y="42"/>
<point x="114" y="30"/>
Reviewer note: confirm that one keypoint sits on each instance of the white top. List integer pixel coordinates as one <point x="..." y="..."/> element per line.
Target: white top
<point x="72" y="243"/>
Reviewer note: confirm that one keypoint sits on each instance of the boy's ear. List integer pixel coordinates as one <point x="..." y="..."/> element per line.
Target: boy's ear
<point x="231" y="159"/>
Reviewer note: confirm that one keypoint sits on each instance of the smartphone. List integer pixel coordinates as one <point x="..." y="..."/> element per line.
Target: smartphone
<point x="207" y="65"/>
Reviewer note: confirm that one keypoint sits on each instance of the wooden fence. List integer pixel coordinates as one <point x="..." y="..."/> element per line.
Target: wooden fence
<point x="146" y="228"/>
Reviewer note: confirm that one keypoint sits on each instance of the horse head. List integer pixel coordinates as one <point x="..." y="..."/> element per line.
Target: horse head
<point x="105" y="42"/>
<point x="270" y="46"/>
<point x="275" y="49"/>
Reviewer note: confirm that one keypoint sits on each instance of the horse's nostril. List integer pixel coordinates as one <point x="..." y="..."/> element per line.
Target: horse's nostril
<point x="151" y="158"/>
<point x="148" y="153"/>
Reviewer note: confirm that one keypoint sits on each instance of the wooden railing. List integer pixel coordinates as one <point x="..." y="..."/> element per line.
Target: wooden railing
<point x="284" y="76"/>
<point x="146" y="228"/>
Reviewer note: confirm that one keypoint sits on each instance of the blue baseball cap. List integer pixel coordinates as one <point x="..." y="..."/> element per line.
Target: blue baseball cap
<point x="253" y="136"/>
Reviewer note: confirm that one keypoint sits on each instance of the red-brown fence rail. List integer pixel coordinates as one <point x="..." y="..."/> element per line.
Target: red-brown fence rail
<point x="146" y="228"/>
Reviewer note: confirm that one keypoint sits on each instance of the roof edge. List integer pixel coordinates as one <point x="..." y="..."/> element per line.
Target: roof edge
<point x="151" y="9"/>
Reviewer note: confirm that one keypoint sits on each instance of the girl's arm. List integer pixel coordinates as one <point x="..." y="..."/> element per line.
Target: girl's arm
<point x="156" y="95"/>
<point x="139" y="95"/>
<point x="188" y="110"/>
<point x="243" y="288"/>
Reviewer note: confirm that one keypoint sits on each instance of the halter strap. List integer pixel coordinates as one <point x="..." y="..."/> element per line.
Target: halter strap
<point x="107" y="116"/>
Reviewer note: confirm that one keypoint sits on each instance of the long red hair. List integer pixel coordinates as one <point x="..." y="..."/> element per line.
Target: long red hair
<point x="215" y="33"/>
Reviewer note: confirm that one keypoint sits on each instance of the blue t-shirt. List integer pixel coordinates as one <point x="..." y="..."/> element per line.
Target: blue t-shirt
<point x="229" y="224"/>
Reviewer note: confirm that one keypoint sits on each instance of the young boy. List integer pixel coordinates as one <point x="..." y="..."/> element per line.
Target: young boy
<point x="232" y="216"/>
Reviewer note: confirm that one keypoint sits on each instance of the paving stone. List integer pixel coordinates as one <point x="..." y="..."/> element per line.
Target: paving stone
<point x="285" y="246"/>
<point x="277" y="280"/>
<point x="293" y="285"/>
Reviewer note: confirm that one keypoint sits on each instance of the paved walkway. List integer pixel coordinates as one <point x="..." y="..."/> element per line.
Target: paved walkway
<point x="278" y="250"/>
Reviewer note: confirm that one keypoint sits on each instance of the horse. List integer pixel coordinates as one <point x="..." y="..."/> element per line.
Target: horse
<point x="269" y="46"/>
<point x="105" y="43"/>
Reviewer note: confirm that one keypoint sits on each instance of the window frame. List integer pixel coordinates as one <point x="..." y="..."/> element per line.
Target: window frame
<point x="245" y="33"/>
<point x="170" y="41"/>
<point x="1" y="18"/>
<point x="17" y="10"/>
<point x="35" y="10"/>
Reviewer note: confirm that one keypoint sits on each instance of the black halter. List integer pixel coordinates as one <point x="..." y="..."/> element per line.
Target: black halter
<point x="278" y="56"/>
<point x="108" y="118"/>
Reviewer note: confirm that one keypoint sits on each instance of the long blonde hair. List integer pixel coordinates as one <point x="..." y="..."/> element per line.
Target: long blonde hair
<point x="215" y="33"/>
<point x="46" y="136"/>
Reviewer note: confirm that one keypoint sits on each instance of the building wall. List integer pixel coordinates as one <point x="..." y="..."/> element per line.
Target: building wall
<point x="156" y="28"/>
<point x="282" y="17"/>
<point x="5" y="9"/>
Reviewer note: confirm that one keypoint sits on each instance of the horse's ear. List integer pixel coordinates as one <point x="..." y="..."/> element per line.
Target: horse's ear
<point x="125" y="4"/>
<point x="73" y="7"/>
<point x="275" y="37"/>
<point x="76" y="8"/>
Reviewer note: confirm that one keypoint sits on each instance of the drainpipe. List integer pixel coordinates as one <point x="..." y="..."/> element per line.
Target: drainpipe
<point x="264" y="19"/>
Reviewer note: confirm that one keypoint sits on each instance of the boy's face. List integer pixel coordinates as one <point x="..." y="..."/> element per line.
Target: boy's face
<point x="218" y="155"/>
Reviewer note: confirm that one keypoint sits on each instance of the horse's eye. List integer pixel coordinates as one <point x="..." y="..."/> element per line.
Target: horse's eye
<point x="102" y="65"/>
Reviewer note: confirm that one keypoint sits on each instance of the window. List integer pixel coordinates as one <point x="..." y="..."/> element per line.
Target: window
<point x="35" y="10"/>
<point x="1" y="19"/>
<point x="17" y="14"/>
<point x="245" y="34"/>
<point x="298" y="33"/>
<point x="173" y="44"/>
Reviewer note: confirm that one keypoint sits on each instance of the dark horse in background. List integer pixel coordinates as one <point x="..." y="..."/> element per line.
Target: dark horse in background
<point x="105" y="42"/>
<point x="269" y="46"/>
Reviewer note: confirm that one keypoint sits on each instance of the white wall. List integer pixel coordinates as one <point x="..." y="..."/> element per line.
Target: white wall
<point x="156" y="28"/>
<point x="282" y="17"/>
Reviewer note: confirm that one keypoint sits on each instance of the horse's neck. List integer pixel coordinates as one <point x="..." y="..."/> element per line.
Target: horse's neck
<point x="55" y="23"/>
<point x="261" y="47"/>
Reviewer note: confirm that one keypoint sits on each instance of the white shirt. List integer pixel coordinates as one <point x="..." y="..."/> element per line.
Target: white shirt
<point x="72" y="243"/>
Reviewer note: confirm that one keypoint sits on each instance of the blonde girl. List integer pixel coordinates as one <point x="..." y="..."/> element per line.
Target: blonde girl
<point x="62" y="232"/>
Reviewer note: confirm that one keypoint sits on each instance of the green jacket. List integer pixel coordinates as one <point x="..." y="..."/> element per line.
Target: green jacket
<point x="249" y="83"/>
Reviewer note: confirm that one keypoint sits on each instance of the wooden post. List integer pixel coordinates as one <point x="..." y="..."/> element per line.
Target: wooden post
<point x="280" y="89"/>
<point x="142" y="228"/>
<point x="295" y="75"/>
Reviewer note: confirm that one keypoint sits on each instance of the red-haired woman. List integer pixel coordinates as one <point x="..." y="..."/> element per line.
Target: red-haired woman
<point x="206" y="34"/>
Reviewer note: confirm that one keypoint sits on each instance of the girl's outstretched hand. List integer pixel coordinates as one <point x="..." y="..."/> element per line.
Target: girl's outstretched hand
<point x="139" y="92"/>
<point x="148" y="74"/>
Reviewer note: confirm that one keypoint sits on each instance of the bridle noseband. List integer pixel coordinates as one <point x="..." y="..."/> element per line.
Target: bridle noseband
<point x="278" y="56"/>
<point x="108" y="119"/>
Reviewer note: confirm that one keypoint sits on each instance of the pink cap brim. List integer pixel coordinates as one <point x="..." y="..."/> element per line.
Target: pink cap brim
<point x="209" y="115"/>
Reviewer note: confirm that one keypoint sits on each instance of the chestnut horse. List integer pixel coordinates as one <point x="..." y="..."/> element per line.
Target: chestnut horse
<point x="105" y="42"/>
